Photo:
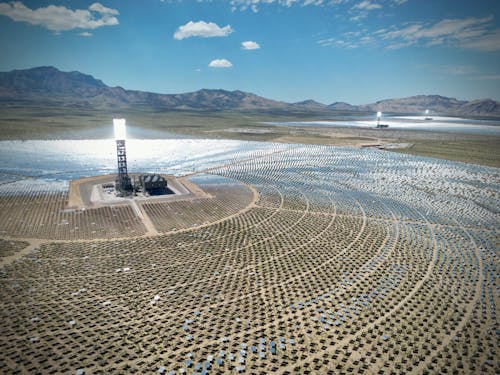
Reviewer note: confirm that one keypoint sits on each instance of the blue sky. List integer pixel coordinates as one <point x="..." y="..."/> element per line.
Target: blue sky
<point x="357" y="51"/>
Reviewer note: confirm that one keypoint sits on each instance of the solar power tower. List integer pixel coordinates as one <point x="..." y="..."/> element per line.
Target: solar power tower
<point x="123" y="184"/>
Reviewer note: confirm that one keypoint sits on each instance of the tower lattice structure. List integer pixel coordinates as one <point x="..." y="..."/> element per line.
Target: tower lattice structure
<point x="123" y="183"/>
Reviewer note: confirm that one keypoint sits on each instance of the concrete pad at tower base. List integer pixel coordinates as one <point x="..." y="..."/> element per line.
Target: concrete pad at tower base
<point x="88" y="192"/>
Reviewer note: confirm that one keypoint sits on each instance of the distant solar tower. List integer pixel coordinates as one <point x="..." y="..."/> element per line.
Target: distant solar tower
<point x="379" y="115"/>
<point x="427" y="117"/>
<point x="123" y="183"/>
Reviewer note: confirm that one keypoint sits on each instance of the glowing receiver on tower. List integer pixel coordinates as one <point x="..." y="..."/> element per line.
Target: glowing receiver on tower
<point x="120" y="129"/>
<point x="427" y="117"/>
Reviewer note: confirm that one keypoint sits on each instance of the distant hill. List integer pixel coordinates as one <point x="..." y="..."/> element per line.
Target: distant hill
<point x="343" y="106"/>
<point x="436" y="104"/>
<point x="309" y="105"/>
<point x="419" y="103"/>
<point x="479" y="107"/>
<point x="48" y="85"/>
<point x="49" y="81"/>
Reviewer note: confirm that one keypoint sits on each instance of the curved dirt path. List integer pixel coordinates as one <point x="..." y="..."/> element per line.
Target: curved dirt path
<point x="373" y="324"/>
<point x="468" y="312"/>
<point x="33" y="244"/>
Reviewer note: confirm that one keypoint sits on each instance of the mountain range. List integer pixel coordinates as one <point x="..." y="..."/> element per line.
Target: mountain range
<point x="50" y="86"/>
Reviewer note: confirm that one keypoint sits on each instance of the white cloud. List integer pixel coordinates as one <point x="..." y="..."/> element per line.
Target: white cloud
<point x="97" y="7"/>
<point x="220" y="63"/>
<point x="367" y="5"/>
<point x="253" y="5"/>
<point x="337" y="43"/>
<point x="400" y="45"/>
<point x="85" y="33"/>
<point x="349" y="40"/>
<point x="202" y="29"/>
<point x="313" y="2"/>
<point x="60" y="18"/>
<point x="326" y="42"/>
<point x="249" y="45"/>
<point x="488" y="42"/>
<point x="470" y="33"/>
<point x="454" y="28"/>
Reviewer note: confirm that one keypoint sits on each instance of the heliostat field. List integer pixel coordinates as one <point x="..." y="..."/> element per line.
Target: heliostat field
<point x="299" y="259"/>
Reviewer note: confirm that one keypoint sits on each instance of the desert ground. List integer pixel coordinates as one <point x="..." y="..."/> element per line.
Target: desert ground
<point x="298" y="259"/>
<point x="51" y="122"/>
